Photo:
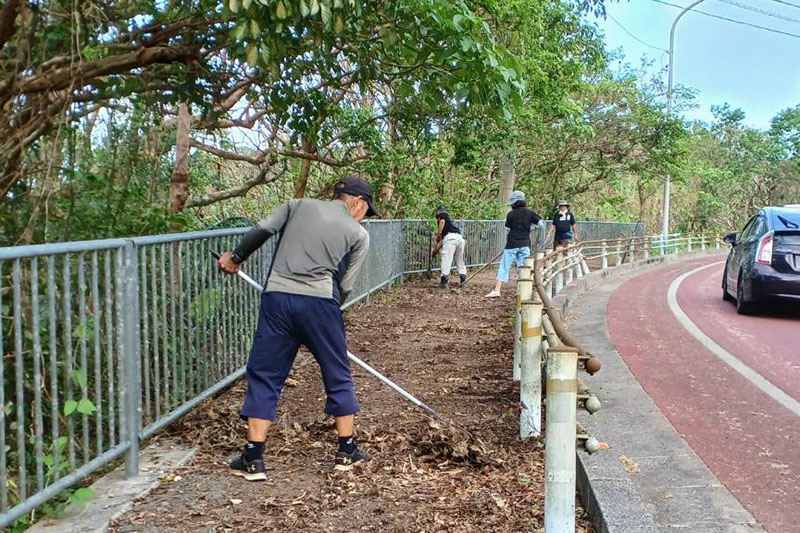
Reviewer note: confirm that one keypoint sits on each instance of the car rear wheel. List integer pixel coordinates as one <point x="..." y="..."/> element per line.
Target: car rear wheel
<point x="725" y="295"/>
<point x="743" y="307"/>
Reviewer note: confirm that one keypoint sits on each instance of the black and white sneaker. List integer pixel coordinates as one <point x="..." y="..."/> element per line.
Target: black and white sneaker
<point x="346" y="461"/>
<point x="250" y="470"/>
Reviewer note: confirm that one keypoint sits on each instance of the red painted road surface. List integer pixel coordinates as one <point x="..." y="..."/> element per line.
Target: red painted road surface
<point x="750" y="441"/>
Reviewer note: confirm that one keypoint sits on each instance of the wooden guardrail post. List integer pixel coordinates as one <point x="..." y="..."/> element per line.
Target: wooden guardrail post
<point x="560" y="437"/>
<point x="604" y="255"/>
<point x="524" y="290"/>
<point x="689" y="244"/>
<point x="530" y="387"/>
<point x="618" y="260"/>
<point x="703" y="243"/>
<point x="716" y="242"/>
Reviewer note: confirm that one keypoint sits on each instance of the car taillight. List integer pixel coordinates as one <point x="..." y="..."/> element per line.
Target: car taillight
<point x="764" y="255"/>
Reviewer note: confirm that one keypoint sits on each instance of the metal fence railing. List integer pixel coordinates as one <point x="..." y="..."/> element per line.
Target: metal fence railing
<point x="104" y="343"/>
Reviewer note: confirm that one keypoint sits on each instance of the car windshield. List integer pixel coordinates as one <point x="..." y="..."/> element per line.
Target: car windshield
<point x="787" y="220"/>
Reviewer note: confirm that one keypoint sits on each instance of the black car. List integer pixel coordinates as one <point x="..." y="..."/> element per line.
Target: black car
<point x="764" y="261"/>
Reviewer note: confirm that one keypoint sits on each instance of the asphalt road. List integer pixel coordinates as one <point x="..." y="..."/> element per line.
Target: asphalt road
<point x="730" y="384"/>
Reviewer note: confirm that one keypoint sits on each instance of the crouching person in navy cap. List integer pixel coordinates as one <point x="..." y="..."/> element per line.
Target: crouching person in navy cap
<point x="452" y="246"/>
<point x="321" y="246"/>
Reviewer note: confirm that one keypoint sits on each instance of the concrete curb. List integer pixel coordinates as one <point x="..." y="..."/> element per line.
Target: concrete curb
<point x="114" y="493"/>
<point x="608" y="483"/>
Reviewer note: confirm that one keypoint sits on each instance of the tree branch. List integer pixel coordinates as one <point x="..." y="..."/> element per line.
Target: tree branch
<point x="256" y="160"/>
<point x="62" y="78"/>
<point x="263" y="177"/>
<point x="319" y="158"/>
<point x="8" y="15"/>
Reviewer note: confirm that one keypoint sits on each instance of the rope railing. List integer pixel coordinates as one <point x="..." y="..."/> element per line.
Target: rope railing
<point x="547" y="356"/>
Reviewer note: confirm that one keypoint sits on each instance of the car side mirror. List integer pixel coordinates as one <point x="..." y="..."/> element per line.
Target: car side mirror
<point x="730" y="238"/>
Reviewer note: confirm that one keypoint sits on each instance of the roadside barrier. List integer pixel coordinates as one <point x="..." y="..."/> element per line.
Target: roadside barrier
<point x="547" y="357"/>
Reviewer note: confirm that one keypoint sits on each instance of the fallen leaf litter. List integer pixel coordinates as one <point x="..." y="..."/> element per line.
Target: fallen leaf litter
<point x="451" y="350"/>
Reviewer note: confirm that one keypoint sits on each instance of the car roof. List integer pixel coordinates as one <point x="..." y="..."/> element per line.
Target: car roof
<point x="784" y="218"/>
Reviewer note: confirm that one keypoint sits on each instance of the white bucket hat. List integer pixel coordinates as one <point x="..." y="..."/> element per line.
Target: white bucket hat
<point x="516" y="196"/>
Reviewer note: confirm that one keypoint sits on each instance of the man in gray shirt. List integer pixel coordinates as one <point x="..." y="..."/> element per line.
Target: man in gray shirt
<point x="320" y="249"/>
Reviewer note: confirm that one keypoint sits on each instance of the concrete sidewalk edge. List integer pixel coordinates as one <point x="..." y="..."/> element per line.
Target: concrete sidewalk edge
<point x="611" y="499"/>
<point x="114" y="493"/>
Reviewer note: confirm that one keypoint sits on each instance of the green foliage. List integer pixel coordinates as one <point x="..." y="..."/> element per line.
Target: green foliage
<point x="69" y="407"/>
<point x="730" y="171"/>
<point x="423" y="98"/>
<point x="786" y="130"/>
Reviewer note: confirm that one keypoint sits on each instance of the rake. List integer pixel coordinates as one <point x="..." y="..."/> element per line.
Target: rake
<point x="383" y="379"/>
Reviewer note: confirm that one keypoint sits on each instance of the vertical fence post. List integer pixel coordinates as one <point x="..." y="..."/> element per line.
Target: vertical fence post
<point x="548" y="284"/>
<point x="128" y="286"/>
<point x="517" y="325"/>
<point x="559" y="273"/>
<point x="524" y="290"/>
<point x="604" y="255"/>
<point x="703" y="243"/>
<point x="646" y="248"/>
<point x="689" y="245"/>
<point x="562" y="390"/>
<point x="716" y="242"/>
<point x="631" y="251"/>
<point x="618" y="260"/>
<point x="569" y="264"/>
<point x="584" y="267"/>
<point x="530" y="387"/>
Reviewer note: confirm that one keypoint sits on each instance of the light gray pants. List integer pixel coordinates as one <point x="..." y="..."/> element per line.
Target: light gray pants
<point x="453" y="248"/>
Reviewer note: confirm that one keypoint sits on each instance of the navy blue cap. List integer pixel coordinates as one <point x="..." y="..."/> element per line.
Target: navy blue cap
<point x="357" y="186"/>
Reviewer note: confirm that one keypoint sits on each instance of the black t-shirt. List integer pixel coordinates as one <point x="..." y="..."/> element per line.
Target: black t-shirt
<point x="563" y="223"/>
<point x="519" y="222"/>
<point x="449" y="227"/>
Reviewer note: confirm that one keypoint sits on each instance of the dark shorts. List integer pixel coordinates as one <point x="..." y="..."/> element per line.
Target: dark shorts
<point x="286" y="321"/>
<point x="562" y="242"/>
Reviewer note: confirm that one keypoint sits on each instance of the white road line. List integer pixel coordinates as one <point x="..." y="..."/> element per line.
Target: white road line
<point x="751" y="375"/>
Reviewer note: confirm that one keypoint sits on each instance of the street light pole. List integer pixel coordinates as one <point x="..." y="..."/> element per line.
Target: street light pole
<point x="665" y="221"/>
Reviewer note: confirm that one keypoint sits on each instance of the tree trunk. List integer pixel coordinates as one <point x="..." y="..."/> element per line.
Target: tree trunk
<point x="179" y="184"/>
<point x="506" y="177"/>
<point x="305" y="170"/>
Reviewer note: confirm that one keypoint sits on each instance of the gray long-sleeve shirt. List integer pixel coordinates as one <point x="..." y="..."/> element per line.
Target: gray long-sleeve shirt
<point x="321" y="249"/>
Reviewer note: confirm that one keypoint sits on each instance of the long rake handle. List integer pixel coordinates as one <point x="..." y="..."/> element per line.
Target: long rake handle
<point x="405" y="394"/>
<point x="480" y="269"/>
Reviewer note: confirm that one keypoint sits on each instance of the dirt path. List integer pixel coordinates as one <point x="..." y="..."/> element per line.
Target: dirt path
<point x="454" y="352"/>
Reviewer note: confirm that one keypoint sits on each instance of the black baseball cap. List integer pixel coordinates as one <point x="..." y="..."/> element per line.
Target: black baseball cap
<point x="357" y="186"/>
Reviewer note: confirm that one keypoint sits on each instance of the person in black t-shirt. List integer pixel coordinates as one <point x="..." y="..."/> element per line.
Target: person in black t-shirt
<point x="519" y="221"/>
<point x="563" y="225"/>
<point x="452" y="246"/>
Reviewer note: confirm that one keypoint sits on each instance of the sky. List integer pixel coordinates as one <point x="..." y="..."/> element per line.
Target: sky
<point x="749" y="68"/>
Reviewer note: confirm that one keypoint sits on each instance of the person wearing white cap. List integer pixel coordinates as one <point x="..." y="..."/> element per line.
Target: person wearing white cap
<point x="520" y="221"/>
<point x="564" y="226"/>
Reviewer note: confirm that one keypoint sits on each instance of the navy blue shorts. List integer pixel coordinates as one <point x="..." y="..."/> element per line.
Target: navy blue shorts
<point x="286" y="321"/>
